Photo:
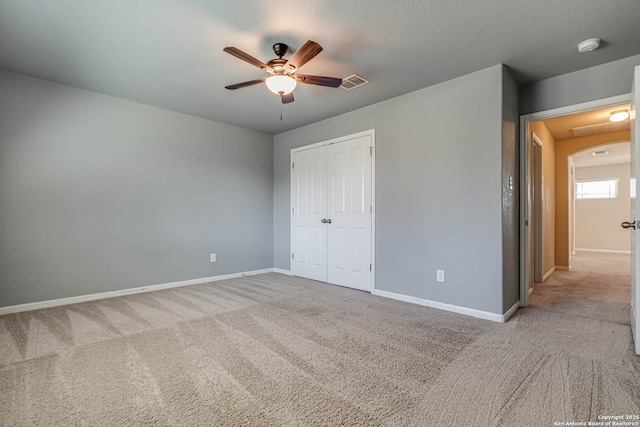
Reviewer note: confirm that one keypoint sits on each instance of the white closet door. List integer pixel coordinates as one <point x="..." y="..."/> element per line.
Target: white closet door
<point x="635" y="210"/>
<point x="349" y="209"/>
<point x="309" y="203"/>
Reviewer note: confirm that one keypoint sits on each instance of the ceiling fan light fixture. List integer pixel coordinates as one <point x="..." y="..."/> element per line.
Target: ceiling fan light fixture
<point x="618" y="116"/>
<point x="281" y="85"/>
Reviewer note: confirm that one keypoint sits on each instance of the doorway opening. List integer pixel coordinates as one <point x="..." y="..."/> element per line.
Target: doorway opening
<point x="564" y="227"/>
<point x="600" y="179"/>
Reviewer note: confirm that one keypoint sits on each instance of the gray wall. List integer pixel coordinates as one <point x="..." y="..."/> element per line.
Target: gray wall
<point x="438" y="189"/>
<point x="100" y="194"/>
<point x="602" y="81"/>
<point x="510" y="192"/>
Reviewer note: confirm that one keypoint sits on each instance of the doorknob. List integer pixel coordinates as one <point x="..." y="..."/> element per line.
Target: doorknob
<point x="629" y="225"/>
<point x="324" y="221"/>
<point x="328" y="221"/>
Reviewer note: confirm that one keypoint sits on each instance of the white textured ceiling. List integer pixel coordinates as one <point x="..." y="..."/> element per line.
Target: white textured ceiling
<point x="618" y="152"/>
<point x="168" y="53"/>
<point x="562" y="127"/>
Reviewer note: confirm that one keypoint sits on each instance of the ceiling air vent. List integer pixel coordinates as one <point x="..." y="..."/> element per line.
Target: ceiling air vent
<point x="353" y="81"/>
<point x="600" y="128"/>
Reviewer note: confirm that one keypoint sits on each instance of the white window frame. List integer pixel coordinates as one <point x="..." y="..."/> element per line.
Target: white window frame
<point x="612" y="193"/>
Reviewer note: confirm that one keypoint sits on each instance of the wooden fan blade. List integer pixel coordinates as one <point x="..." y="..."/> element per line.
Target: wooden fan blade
<point x="306" y="53"/>
<point x="246" y="57"/>
<point x="319" y="80"/>
<point x="246" y="84"/>
<point x="286" y="99"/>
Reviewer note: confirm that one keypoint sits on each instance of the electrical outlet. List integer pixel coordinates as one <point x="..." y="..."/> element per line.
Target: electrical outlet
<point x="212" y="258"/>
<point x="440" y="275"/>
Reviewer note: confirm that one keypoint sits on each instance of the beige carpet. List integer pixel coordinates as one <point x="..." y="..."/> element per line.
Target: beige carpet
<point x="276" y="350"/>
<point x="598" y="287"/>
<point x="601" y="262"/>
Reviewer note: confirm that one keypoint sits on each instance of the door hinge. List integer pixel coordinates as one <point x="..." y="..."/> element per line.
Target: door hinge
<point x="526" y="222"/>
<point x="370" y="208"/>
<point x="293" y="165"/>
<point x="370" y="267"/>
<point x="371" y="151"/>
<point x="293" y="256"/>
<point x="293" y="211"/>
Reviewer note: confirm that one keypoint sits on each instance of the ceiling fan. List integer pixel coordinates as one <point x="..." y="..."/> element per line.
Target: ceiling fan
<point x="283" y="77"/>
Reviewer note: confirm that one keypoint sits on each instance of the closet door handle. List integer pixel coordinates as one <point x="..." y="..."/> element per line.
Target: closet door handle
<point x="324" y="221"/>
<point x="629" y="224"/>
<point x="328" y="221"/>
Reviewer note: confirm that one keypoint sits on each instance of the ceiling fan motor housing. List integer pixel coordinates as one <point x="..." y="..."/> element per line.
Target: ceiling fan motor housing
<point x="277" y="65"/>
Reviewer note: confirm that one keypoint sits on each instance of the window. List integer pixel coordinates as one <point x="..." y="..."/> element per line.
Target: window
<point x="597" y="189"/>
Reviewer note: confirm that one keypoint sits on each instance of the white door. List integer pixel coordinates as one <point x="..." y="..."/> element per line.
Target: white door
<point x="349" y="213"/>
<point x="309" y="209"/>
<point x="332" y="212"/>
<point x="635" y="209"/>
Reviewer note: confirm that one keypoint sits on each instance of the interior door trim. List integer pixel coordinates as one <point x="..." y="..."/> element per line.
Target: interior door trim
<point x="525" y="119"/>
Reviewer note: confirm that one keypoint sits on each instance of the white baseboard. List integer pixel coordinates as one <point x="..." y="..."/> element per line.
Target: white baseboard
<point x="283" y="271"/>
<point x="530" y="290"/>
<point x="511" y="312"/>
<point x="449" y="307"/>
<point x="606" y="251"/>
<point x="548" y="274"/>
<point x="111" y="294"/>
<point x="401" y="297"/>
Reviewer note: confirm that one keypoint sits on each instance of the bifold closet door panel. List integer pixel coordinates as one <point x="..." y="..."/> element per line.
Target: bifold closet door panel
<point x="350" y="211"/>
<point x="309" y="203"/>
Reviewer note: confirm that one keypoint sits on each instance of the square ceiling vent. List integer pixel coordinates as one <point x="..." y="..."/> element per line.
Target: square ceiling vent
<point x="353" y="81"/>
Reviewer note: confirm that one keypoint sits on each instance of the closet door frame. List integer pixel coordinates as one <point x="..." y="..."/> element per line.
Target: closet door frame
<point x="372" y="134"/>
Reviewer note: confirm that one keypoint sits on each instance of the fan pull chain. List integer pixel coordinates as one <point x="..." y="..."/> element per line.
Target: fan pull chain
<point x="281" y="106"/>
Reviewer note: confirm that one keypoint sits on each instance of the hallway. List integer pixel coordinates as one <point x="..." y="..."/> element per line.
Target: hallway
<point x="598" y="287"/>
